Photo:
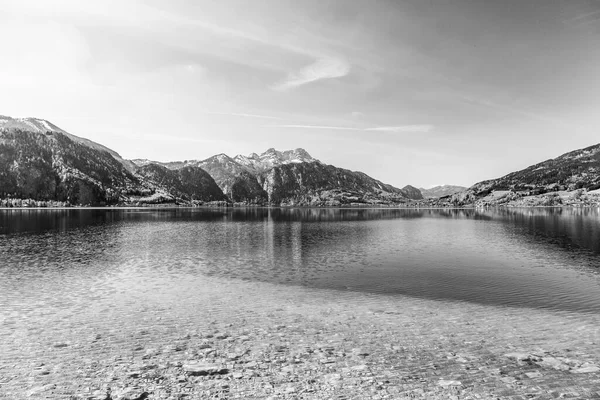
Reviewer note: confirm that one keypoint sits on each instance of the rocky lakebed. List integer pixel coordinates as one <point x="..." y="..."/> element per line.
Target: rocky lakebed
<point x="252" y="340"/>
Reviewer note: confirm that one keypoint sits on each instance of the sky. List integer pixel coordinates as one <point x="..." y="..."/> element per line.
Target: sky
<point x="419" y="92"/>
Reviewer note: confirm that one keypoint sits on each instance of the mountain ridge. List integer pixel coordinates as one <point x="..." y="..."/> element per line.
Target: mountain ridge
<point x="39" y="125"/>
<point x="441" y="190"/>
<point x="572" y="178"/>
<point x="253" y="162"/>
<point x="289" y="177"/>
<point x="41" y="165"/>
<point x="44" y="164"/>
<point x="246" y="179"/>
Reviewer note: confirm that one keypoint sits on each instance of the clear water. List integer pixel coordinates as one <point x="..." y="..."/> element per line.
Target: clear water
<point x="71" y="259"/>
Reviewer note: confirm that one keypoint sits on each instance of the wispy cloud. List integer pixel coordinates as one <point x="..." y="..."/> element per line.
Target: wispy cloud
<point x="521" y="111"/>
<point x="583" y="19"/>
<point x="173" y="138"/>
<point x="589" y="21"/>
<point x="403" y="128"/>
<point x="241" y="115"/>
<point x="323" y="68"/>
<point x="342" y="128"/>
<point x="399" y="129"/>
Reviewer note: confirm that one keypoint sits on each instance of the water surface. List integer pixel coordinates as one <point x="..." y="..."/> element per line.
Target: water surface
<point x="71" y="259"/>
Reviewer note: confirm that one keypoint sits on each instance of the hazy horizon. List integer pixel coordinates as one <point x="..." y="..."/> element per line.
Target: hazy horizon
<point x="448" y="92"/>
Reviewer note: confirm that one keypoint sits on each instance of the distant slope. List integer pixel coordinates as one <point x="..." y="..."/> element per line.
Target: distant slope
<point x="573" y="170"/>
<point x="187" y="184"/>
<point x="52" y="167"/>
<point x="571" y="178"/>
<point x="238" y="182"/>
<point x="412" y="192"/>
<point x="317" y="184"/>
<point x="440" y="191"/>
<point x="38" y="125"/>
<point x="227" y="173"/>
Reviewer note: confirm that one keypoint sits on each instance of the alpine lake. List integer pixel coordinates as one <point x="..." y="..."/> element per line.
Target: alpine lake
<point x="186" y="303"/>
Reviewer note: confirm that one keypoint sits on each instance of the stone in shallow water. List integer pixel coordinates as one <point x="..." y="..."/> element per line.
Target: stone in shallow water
<point x="508" y="379"/>
<point x="37" y="390"/>
<point x="552" y="362"/>
<point x="519" y="356"/>
<point x="446" y="383"/>
<point x="197" y="368"/>
<point x="586" y="369"/>
<point x="360" y="352"/>
<point x="534" y="374"/>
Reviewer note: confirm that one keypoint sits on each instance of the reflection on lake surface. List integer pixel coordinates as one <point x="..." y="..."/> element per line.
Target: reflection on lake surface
<point x="68" y="259"/>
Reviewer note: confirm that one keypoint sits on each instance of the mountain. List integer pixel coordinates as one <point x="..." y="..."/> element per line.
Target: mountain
<point x="412" y="192"/>
<point x="441" y="191"/>
<point x="254" y="163"/>
<point x="273" y="158"/>
<point x="188" y="184"/>
<point x="292" y="177"/>
<point x="43" y="164"/>
<point x="572" y="178"/>
<point x="238" y="177"/>
<point x="235" y="180"/>
<point x="317" y="184"/>
<point x="573" y="170"/>
<point x="50" y="166"/>
<point x="38" y="125"/>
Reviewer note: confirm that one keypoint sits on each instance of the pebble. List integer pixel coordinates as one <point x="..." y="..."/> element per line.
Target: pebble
<point x="518" y="356"/>
<point x="196" y="368"/>
<point x="534" y="374"/>
<point x="446" y="383"/>
<point x="586" y="370"/>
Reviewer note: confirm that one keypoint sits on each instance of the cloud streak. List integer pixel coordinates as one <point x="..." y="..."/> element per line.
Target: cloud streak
<point x="523" y="112"/>
<point x="583" y="19"/>
<point x="241" y="115"/>
<point x="323" y="68"/>
<point x="403" y="128"/>
<point x="340" y="128"/>
<point x="394" y="129"/>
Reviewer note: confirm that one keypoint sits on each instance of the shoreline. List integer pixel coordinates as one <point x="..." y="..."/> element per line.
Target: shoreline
<point x="571" y="206"/>
<point x="242" y="339"/>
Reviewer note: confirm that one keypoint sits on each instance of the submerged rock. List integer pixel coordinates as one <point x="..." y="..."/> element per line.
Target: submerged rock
<point x="586" y="369"/>
<point x="198" y="368"/>
<point x="447" y="383"/>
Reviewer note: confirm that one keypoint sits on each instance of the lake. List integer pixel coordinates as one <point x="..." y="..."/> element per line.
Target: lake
<point x="356" y="303"/>
<point x="71" y="258"/>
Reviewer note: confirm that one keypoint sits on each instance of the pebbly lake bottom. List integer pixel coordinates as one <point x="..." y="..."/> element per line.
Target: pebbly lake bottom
<point x="229" y="338"/>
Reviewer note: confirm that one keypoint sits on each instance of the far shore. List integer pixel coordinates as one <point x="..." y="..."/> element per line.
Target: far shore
<point x="207" y="207"/>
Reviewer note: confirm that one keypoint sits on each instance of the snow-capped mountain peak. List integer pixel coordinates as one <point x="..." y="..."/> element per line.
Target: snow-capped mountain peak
<point x="37" y="125"/>
<point x="272" y="157"/>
